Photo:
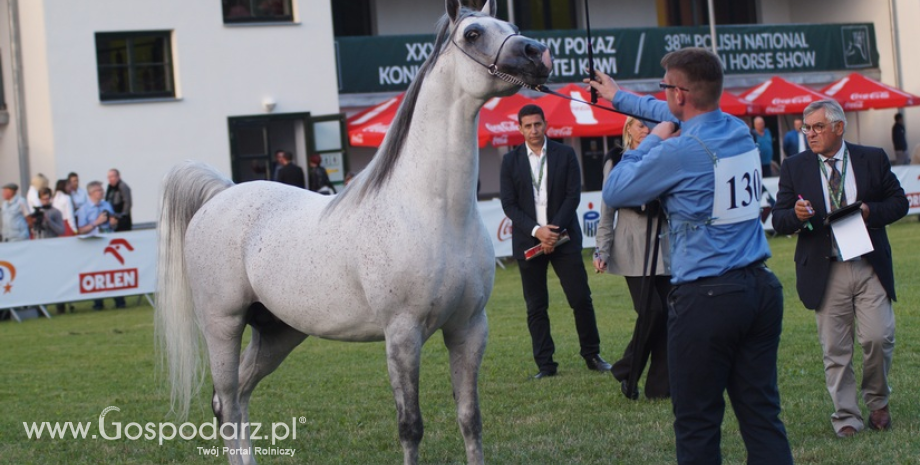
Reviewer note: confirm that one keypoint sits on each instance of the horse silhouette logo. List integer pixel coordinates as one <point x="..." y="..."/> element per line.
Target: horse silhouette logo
<point x="115" y="246"/>
<point x="7" y="275"/>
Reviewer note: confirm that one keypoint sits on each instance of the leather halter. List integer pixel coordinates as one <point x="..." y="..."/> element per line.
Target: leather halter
<point x="493" y="68"/>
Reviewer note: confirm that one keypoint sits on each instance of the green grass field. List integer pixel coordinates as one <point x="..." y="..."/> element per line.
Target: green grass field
<point x="72" y="367"/>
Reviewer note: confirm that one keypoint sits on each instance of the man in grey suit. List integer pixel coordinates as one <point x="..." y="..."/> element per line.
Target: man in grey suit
<point x="813" y="183"/>
<point x="540" y="192"/>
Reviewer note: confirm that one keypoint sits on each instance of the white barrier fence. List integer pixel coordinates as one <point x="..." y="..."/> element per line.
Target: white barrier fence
<point x="81" y="268"/>
<point x="499" y="226"/>
<point x="77" y="268"/>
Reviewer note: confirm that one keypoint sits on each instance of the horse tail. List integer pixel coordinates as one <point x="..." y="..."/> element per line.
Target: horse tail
<point x="186" y="188"/>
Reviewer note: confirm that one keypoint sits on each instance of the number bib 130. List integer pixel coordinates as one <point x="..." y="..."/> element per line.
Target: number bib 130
<point x="738" y="189"/>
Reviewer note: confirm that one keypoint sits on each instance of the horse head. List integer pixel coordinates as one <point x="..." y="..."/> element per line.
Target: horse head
<point x="495" y="49"/>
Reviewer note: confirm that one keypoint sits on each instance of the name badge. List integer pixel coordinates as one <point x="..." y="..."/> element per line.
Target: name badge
<point x="738" y="189"/>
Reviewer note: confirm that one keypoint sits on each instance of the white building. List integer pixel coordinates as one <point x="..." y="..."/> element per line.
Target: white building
<point x="140" y="86"/>
<point x="231" y="81"/>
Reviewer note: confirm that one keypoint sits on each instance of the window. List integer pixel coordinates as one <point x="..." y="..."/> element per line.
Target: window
<point x="544" y="15"/>
<point x="351" y="18"/>
<point x="249" y="11"/>
<point x="696" y="13"/>
<point x="134" y="65"/>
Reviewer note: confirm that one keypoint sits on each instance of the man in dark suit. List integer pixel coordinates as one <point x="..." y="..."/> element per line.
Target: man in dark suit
<point x="290" y="173"/>
<point x="843" y="293"/>
<point x="540" y="192"/>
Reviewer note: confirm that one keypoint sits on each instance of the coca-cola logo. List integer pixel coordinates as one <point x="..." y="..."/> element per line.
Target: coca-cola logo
<point x="564" y="131"/>
<point x="504" y="230"/>
<point x="792" y="101"/>
<point x="377" y="127"/>
<point x="870" y="96"/>
<point x="504" y="126"/>
<point x="357" y="138"/>
<point x="854" y="105"/>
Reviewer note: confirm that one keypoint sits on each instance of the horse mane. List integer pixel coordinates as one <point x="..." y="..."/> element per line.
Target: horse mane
<point x="381" y="167"/>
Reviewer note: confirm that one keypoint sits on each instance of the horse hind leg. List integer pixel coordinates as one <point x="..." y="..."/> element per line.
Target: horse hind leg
<point x="223" y="333"/>
<point x="466" y="345"/>
<point x="272" y="341"/>
<point x="404" y="351"/>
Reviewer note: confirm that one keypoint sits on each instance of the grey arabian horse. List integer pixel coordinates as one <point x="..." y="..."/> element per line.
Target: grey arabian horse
<point x="396" y="256"/>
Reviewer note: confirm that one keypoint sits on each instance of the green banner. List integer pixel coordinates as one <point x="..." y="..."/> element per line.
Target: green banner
<point x="389" y="63"/>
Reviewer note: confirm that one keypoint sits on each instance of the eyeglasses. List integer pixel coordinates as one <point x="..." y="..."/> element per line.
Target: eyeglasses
<point x="817" y="127"/>
<point x="664" y="86"/>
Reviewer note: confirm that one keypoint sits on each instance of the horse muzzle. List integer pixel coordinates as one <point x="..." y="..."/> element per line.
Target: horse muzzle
<point x="526" y="59"/>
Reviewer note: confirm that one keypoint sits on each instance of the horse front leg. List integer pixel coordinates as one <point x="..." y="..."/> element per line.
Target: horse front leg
<point x="404" y="350"/>
<point x="466" y="345"/>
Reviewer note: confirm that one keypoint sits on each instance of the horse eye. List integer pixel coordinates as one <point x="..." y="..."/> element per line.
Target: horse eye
<point x="471" y="35"/>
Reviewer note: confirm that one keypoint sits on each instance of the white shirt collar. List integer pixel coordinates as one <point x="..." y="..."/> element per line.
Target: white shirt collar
<point x="531" y="153"/>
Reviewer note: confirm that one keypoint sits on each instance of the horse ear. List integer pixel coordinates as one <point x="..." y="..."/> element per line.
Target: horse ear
<point x="453" y="9"/>
<point x="489" y="8"/>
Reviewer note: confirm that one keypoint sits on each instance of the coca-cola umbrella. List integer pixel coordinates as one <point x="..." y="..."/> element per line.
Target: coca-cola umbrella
<point x="566" y="118"/>
<point x="729" y="103"/>
<point x="778" y="96"/>
<point x="498" y="120"/>
<point x="367" y="128"/>
<point x="857" y="92"/>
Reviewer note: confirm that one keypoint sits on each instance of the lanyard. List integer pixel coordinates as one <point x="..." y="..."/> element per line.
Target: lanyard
<point x="835" y="196"/>
<point x="538" y="182"/>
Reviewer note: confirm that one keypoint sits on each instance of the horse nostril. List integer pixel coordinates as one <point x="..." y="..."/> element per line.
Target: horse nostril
<point x="533" y="49"/>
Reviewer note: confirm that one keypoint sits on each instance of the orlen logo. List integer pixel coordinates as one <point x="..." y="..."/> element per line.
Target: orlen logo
<point x="115" y="247"/>
<point x="112" y="280"/>
<point x="504" y="229"/>
<point x="7" y="275"/>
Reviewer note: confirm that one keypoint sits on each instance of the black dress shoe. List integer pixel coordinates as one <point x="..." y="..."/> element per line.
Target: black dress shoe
<point x="544" y="374"/>
<point x="631" y="395"/>
<point x="597" y="363"/>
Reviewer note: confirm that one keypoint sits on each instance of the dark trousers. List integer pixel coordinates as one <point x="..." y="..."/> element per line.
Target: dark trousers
<point x="570" y="268"/>
<point x="654" y="340"/>
<point x="723" y="334"/>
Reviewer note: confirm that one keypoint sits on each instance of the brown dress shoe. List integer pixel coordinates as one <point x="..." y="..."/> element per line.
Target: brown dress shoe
<point x="846" y="432"/>
<point x="880" y="419"/>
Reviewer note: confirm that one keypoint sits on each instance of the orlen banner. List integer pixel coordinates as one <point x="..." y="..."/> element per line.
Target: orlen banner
<point x="77" y="268"/>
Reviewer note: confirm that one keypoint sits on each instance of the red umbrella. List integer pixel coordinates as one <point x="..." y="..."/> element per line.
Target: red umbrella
<point x="498" y="120"/>
<point x="367" y="128"/>
<point x="565" y="118"/>
<point x="781" y="97"/>
<point x="857" y="92"/>
<point x="730" y="103"/>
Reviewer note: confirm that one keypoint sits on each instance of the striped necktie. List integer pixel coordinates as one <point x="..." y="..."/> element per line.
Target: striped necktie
<point x="835" y="186"/>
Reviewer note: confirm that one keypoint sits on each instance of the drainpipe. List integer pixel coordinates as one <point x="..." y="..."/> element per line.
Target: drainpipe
<point x="712" y="27"/>
<point x="895" y="43"/>
<point x="19" y="93"/>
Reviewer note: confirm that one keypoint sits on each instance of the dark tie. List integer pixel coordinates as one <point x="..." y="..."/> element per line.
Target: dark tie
<point x="835" y="186"/>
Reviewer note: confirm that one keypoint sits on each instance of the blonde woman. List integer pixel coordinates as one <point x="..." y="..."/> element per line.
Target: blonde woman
<point x="621" y="244"/>
<point x="39" y="182"/>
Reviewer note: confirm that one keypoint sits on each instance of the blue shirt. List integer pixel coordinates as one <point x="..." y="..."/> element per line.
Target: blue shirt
<point x="13" y="219"/>
<point x="765" y="145"/>
<point x="88" y="213"/>
<point x="680" y="172"/>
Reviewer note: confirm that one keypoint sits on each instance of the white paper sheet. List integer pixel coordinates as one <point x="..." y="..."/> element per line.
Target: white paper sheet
<point x="852" y="236"/>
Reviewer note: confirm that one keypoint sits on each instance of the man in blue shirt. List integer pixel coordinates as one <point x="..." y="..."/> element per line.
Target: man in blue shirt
<point x="726" y="309"/>
<point x="764" y="140"/>
<point x="97" y="216"/>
